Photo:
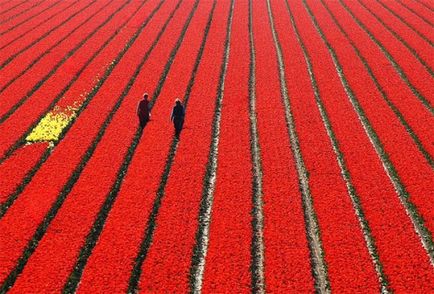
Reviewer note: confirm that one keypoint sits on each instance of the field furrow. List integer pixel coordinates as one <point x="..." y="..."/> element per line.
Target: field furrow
<point x="257" y="212"/>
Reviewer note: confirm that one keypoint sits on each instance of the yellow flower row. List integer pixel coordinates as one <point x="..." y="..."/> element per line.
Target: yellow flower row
<point x="51" y="125"/>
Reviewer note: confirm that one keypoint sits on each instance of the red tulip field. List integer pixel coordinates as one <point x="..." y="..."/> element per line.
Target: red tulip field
<point x="305" y="162"/>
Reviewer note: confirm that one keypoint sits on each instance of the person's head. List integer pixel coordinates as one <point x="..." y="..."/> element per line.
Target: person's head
<point x="145" y="96"/>
<point x="177" y="101"/>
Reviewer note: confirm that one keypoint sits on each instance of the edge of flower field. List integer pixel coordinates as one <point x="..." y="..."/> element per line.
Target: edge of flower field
<point x="98" y="225"/>
<point x="319" y="266"/>
<point x="416" y="219"/>
<point x="20" y="188"/>
<point x="202" y="234"/>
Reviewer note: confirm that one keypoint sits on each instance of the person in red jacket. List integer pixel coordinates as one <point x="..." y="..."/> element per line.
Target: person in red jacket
<point x="143" y="111"/>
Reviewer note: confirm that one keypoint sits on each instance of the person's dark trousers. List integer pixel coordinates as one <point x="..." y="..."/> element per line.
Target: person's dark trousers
<point x="143" y="121"/>
<point x="178" y="123"/>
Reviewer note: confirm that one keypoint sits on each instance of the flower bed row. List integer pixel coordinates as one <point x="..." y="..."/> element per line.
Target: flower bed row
<point x="228" y="256"/>
<point x="29" y="72"/>
<point x="287" y="264"/>
<point x="26" y="10"/>
<point x="341" y="235"/>
<point x="74" y="79"/>
<point x="130" y="214"/>
<point x="82" y="86"/>
<point x="418" y="44"/>
<point x="11" y="51"/>
<point x="408" y="67"/>
<point x="72" y="153"/>
<point x="41" y="12"/>
<point x="14" y="169"/>
<point x="9" y="5"/>
<point x="13" y="35"/>
<point x="393" y="231"/>
<point x="409" y="167"/>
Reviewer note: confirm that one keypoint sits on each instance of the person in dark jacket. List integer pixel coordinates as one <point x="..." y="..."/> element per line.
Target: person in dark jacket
<point x="177" y="116"/>
<point x="143" y="111"/>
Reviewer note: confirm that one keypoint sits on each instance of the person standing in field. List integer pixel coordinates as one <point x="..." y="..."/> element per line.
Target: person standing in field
<point x="143" y="111"/>
<point x="177" y="116"/>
